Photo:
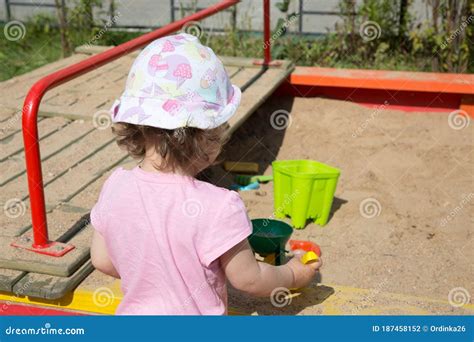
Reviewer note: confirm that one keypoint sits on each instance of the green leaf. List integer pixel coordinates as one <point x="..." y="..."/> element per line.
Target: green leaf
<point x="283" y="6"/>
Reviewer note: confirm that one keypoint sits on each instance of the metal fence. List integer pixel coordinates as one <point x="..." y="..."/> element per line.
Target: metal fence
<point x="314" y="16"/>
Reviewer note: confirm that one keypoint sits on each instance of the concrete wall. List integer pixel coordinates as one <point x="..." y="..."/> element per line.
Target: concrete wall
<point x="155" y="13"/>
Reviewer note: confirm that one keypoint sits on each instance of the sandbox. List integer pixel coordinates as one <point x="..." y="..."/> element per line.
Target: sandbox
<point x="399" y="236"/>
<point x="402" y="215"/>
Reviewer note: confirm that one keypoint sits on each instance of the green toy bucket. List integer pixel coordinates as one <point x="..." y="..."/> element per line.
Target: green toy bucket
<point x="270" y="237"/>
<point x="303" y="190"/>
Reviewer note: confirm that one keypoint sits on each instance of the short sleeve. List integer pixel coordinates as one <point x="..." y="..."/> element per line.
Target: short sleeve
<point x="96" y="219"/>
<point x="97" y="213"/>
<point x="231" y="226"/>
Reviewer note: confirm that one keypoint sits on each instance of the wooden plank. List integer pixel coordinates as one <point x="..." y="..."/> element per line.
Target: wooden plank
<point x="8" y="278"/>
<point x="232" y="70"/>
<point x="71" y="92"/>
<point x="49" y="147"/>
<point x="15" y="89"/>
<point x="84" y="174"/>
<point x="257" y="93"/>
<point x="14" y="121"/>
<point x="248" y="62"/>
<point x="244" y="75"/>
<point x="64" y="189"/>
<point x="78" y="233"/>
<point x="54" y="168"/>
<point x="34" y="75"/>
<point x="51" y="113"/>
<point x="88" y="84"/>
<point x="12" y="127"/>
<point x="95" y="49"/>
<point x="53" y="146"/>
<point x="53" y="277"/>
<point x="74" y="133"/>
<point x="46" y="128"/>
<point x="104" y="74"/>
<point x="51" y="287"/>
<point x="23" y="260"/>
<point x="92" y="49"/>
<point x="19" y="222"/>
<point x="6" y="114"/>
<point x="67" y="215"/>
<point x="84" y="96"/>
<point x="87" y="297"/>
<point x="60" y="188"/>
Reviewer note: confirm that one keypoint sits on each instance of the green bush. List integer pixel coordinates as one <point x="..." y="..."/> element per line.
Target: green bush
<point x="397" y="44"/>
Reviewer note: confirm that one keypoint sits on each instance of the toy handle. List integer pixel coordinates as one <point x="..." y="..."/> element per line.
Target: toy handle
<point x="309" y="257"/>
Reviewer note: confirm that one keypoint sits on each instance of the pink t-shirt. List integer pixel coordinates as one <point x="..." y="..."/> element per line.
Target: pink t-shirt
<point x="164" y="235"/>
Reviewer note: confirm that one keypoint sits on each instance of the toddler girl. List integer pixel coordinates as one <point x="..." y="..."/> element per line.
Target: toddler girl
<point x="174" y="240"/>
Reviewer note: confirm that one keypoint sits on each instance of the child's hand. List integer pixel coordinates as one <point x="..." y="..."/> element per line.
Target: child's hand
<point x="303" y="274"/>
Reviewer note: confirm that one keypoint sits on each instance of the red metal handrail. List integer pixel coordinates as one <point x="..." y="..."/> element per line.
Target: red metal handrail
<point x="32" y="101"/>
<point x="266" y="33"/>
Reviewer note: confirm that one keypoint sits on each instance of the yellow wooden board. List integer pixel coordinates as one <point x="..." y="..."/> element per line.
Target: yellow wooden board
<point x="341" y="300"/>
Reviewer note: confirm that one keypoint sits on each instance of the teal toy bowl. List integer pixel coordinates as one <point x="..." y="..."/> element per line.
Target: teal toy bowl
<point x="270" y="237"/>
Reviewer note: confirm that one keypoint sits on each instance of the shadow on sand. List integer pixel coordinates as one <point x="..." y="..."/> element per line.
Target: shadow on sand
<point x="291" y="304"/>
<point x="257" y="140"/>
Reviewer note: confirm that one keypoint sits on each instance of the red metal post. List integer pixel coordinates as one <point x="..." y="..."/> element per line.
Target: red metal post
<point x="30" y="116"/>
<point x="33" y="168"/>
<point x="267" y="43"/>
<point x="267" y="54"/>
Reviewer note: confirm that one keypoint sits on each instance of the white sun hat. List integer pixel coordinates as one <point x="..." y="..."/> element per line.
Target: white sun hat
<point x="177" y="82"/>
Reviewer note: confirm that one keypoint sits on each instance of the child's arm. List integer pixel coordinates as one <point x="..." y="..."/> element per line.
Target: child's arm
<point x="100" y="258"/>
<point x="260" y="279"/>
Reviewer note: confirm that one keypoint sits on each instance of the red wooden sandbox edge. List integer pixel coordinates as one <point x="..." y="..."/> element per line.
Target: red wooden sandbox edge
<point x="409" y="91"/>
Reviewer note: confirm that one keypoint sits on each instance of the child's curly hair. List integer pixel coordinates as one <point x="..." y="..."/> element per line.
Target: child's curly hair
<point x="187" y="149"/>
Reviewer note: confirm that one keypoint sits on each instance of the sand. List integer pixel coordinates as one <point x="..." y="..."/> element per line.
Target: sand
<point x="415" y="170"/>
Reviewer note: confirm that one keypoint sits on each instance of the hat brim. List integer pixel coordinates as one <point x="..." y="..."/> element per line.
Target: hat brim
<point x="174" y="114"/>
